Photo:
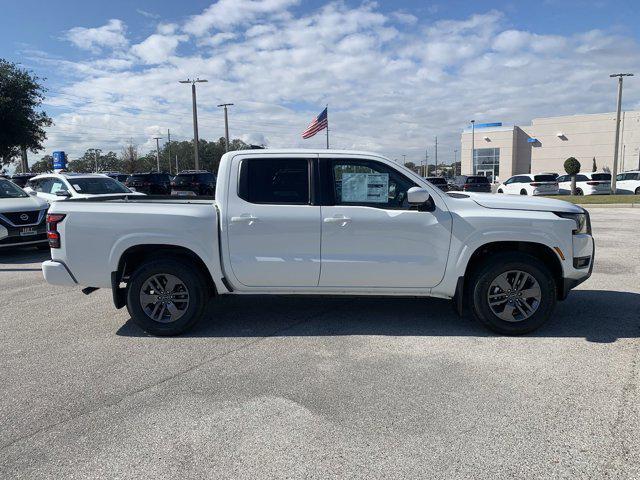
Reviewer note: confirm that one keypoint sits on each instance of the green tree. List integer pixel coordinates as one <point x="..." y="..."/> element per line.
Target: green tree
<point x="44" y="165"/>
<point x="22" y="121"/>
<point x="572" y="167"/>
<point x="410" y="165"/>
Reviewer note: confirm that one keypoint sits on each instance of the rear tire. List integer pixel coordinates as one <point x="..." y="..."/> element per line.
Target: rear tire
<point x="579" y="192"/>
<point x="166" y="297"/>
<point x="638" y="191"/>
<point x="523" y="192"/>
<point x="500" y="190"/>
<point x="524" y="313"/>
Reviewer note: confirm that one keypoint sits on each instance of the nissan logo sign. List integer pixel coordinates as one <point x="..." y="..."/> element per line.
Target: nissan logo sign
<point x="24" y="217"/>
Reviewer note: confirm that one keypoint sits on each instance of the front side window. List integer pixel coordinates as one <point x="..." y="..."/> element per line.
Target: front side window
<point x="369" y="183"/>
<point x="274" y="181"/>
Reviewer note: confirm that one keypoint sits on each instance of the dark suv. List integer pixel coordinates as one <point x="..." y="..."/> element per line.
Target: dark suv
<point x="439" y="182"/>
<point x="21" y="179"/>
<point x="471" y="183"/>
<point x="150" y="183"/>
<point x="194" y="182"/>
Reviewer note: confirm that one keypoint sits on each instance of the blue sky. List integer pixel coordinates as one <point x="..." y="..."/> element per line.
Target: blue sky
<point x="394" y="73"/>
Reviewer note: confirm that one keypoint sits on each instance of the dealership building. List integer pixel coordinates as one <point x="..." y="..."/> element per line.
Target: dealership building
<point x="502" y="151"/>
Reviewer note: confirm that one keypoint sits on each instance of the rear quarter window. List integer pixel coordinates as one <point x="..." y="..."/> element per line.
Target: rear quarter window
<point x="477" y="180"/>
<point x="601" y="176"/>
<point x="544" y="178"/>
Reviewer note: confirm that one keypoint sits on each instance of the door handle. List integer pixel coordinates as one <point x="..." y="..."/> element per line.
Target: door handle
<point x="244" y="218"/>
<point x="339" y="219"/>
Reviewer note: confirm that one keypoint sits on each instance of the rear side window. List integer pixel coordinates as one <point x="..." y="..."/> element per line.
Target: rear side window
<point x="274" y="180"/>
<point x="581" y="178"/>
<point x="601" y="176"/>
<point x="544" y="178"/>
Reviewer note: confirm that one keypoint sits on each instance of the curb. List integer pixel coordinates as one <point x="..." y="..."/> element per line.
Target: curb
<point x="609" y="205"/>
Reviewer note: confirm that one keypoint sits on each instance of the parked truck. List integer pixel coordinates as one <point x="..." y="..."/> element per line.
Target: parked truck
<point x="322" y="222"/>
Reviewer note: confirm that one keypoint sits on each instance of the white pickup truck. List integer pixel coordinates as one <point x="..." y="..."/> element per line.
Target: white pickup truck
<point x="322" y="222"/>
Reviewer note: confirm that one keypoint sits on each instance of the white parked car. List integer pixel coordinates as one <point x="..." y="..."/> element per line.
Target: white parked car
<point x="628" y="182"/>
<point x="323" y="222"/>
<point x="22" y="217"/>
<point x="596" y="183"/>
<point x="530" y="184"/>
<point x="56" y="186"/>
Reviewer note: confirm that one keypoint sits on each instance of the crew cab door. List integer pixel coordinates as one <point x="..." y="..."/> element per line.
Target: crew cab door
<point x="371" y="236"/>
<point x="272" y="226"/>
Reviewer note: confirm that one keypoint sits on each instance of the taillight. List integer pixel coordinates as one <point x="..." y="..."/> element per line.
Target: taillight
<point x="593" y="183"/>
<point x="465" y="186"/>
<point x="53" y="219"/>
<point x="535" y="184"/>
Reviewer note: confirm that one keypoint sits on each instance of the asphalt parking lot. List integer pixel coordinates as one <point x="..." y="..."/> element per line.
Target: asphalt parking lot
<point x="323" y="388"/>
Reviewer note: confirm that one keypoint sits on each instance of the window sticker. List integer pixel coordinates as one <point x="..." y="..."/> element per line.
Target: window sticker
<point x="365" y="187"/>
<point x="56" y="187"/>
<point x="77" y="187"/>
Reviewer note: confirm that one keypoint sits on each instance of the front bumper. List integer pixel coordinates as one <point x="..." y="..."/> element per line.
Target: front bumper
<point x="57" y="273"/>
<point x="583" y="246"/>
<point x="11" y="236"/>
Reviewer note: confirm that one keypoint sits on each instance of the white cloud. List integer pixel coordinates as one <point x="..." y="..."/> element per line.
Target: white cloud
<point x="389" y="89"/>
<point x="111" y="35"/>
<point x="159" y="47"/>
<point x="405" y="18"/>
<point x="226" y="14"/>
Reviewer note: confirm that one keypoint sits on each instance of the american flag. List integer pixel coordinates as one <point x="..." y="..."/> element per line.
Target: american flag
<point x="319" y="123"/>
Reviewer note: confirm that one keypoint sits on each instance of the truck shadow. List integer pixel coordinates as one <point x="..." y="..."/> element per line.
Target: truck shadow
<point x="596" y="315"/>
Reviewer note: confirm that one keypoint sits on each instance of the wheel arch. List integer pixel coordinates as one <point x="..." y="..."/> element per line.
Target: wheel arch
<point x="137" y="255"/>
<point x="538" y="250"/>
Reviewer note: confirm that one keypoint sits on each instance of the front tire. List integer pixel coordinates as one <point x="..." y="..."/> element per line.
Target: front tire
<point x="166" y="297"/>
<point x="638" y="191"/>
<point x="513" y="293"/>
<point x="500" y="190"/>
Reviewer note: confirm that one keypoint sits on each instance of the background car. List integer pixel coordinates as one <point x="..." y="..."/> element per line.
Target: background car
<point x="439" y="182"/>
<point x="194" y="182"/>
<point x="628" y="182"/>
<point x="21" y="179"/>
<point x="22" y="217"/>
<point x="151" y="183"/>
<point x="596" y="183"/>
<point x="56" y="186"/>
<point x="530" y="184"/>
<point x="470" y="183"/>
<point x="121" y="177"/>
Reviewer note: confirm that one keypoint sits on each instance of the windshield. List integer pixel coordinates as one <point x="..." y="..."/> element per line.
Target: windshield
<point x="10" y="190"/>
<point x="97" y="186"/>
<point x="437" y="180"/>
<point x="601" y="176"/>
<point x="544" y="178"/>
<point x="477" y="180"/>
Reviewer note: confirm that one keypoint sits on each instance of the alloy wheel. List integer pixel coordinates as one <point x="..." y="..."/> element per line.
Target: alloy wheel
<point x="164" y="298"/>
<point x="514" y="296"/>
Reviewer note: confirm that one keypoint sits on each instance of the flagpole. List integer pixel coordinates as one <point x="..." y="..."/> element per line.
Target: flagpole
<point x="327" y="126"/>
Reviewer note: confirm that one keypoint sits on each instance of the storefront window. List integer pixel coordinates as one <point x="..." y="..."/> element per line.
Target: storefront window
<point x="486" y="161"/>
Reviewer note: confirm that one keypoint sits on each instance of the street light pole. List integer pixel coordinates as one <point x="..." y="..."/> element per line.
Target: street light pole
<point x="157" y="139"/>
<point x="455" y="160"/>
<point x="195" y="118"/>
<point x="617" y="142"/>
<point x="226" y="125"/>
<point x="473" y="146"/>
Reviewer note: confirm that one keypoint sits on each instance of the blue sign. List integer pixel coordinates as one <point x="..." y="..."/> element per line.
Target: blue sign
<point x="59" y="160"/>
<point x="487" y="125"/>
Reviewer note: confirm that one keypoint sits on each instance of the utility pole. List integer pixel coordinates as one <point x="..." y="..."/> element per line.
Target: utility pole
<point x="620" y="76"/>
<point x="169" y="147"/>
<point x="404" y="159"/>
<point x="177" y="171"/>
<point x="157" y="139"/>
<point x="436" y="156"/>
<point x="195" y="118"/>
<point x="455" y="160"/>
<point x="226" y="125"/>
<point x="24" y="162"/>
<point x="426" y="160"/>
<point x="473" y="147"/>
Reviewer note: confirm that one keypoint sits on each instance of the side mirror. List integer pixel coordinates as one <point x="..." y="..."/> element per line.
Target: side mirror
<point x="33" y="193"/>
<point x="417" y="196"/>
<point x="63" y="193"/>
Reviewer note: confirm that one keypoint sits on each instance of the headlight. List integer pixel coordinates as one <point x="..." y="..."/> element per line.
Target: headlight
<point x="583" y="225"/>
